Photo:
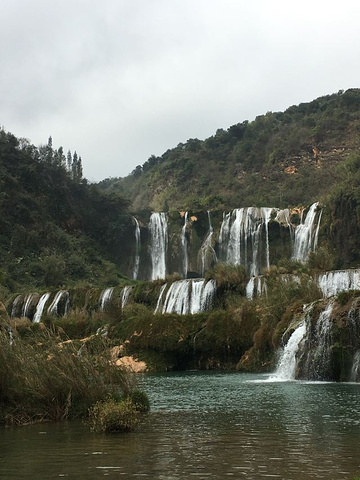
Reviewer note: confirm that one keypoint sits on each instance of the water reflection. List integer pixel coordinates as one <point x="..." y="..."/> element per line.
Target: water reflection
<point x="205" y="425"/>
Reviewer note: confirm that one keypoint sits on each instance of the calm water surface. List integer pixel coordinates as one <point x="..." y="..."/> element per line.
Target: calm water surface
<point x="205" y="425"/>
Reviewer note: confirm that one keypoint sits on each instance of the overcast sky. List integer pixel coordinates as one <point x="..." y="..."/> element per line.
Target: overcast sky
<point x="120" y="80"/>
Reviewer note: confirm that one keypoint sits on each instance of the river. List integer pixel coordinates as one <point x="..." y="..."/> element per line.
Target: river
<point x="205" y="425"/>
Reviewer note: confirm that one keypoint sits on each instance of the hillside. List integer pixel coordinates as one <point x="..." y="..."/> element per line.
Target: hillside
<point x="282" y="158"/>
<point x="55" y="229"/>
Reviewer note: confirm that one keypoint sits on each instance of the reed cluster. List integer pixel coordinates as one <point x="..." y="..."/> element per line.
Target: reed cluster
<point x="44" y="380"/>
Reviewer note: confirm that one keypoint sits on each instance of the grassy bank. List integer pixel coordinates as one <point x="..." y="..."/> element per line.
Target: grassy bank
<point x="44" y="379"/>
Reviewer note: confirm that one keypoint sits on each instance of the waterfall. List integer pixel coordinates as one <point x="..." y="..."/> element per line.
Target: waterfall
<point x="286" y="369"/>
<point x="317" y="365"/>
<point x="177" y="298"/>
<point x="15" y="306"/>
<point x="125" y="295"/>
<point x="27" y="304"/>
<point x="355" y="369"/>
<point x="105" y="297"/>
<point x="54" y="306"/>
<point x="137" y="249"/>
<point x="159" y="303"/>
<point x="250" y="287"/>
<point x="207" y="247"/>
<point x="40" y="307"/>
<point x="306" y="235"/>
<point x="241" y="238"/>
<point x="187" y="296"/>
<point x="184" y="247"/>
<point x="334" y="282"/>
<point x="256" y="286"/>
<point x="158" y="244"/>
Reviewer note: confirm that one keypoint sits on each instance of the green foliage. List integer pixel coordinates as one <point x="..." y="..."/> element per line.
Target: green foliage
<point x="140" y="400"/>
<point x="113" y="416"/>
<point x="55" y="228"/>
<point x="246" y="164"/>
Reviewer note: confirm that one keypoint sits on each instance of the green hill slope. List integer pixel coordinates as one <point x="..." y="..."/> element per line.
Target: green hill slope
<point x="55" y="229"/>
<point x="281" y="159"/>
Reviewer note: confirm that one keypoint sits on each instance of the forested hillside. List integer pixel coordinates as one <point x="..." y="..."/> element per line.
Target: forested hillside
<point x="280" y="158"/>
<point x="55" y="229"/>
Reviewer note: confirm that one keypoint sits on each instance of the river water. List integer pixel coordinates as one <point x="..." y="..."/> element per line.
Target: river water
<point x="205" y="425"/>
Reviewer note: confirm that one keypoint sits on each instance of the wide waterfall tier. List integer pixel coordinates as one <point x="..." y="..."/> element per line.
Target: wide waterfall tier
<point x="306" y="234"/>
<point x="187" y="296"/>
<point x="244" y="238"/>
<point x="158" y="244"/>
<point x="333" y="282"/>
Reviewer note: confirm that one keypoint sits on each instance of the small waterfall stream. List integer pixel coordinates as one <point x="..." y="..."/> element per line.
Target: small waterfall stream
<point x="207" y="249"/>
<point x="355" y="369"/>
<point x="40" y="307"/>
<point x="125" y="294"/>
<point x="137" y="249"/>
<point x="158" y="244"/>
<point x="306" y="234"/>
<point x="60" y="296"/>
<point x="27" y="304"/>
<point x="286" y="369"/>
<point x="184" y="246"/>
<point x="105" y="297"/>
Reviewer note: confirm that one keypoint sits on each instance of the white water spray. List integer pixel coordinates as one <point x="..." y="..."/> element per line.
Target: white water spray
<point x="105" y="297"/>
<point x="286" y="369"/>
<point x="40" y="307"/>
<point x="137" y="249"/>
<point x="158" y="244"/>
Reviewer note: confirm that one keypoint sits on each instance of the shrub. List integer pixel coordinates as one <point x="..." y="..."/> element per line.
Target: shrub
<point x="113" y="416"/>
<point x="140" y="400"/>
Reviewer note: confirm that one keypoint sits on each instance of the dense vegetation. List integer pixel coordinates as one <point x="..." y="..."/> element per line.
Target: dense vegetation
<point x="280" y="159"/>
<point x="55" y="228"/>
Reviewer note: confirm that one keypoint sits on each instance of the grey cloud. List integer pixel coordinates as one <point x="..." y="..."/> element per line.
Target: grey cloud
<point x="119" y="80"/>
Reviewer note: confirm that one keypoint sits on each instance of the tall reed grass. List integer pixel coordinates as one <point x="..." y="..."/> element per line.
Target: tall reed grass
<point x="44" y="380"/>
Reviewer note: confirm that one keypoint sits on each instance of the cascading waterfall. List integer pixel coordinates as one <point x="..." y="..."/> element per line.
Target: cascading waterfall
<point x="105" y="297"/>
<point x="184" y="246"/>
<point x="27" y="304"/>
<point x="241" y="235"/>
<point x="187" y="296"/>
<point x="206" y="247"/>
<point x="306" y="234"/>
<point x="158" y="244"/>
<point x="318" y="352"/>
<point x="256" y="287"/>
<point x="333" y="282"/>
<point x="202" y="295"/>
<point x="286" y="369"/>
<point x="159" y="303"/>
<point x="125" y="295"/>
<point x="15" y="306"/>
<point x="53" y="308"/>
<point x="40" y="307"/>
<point x="355" y="370"/>
<point x="137" y="249"/>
